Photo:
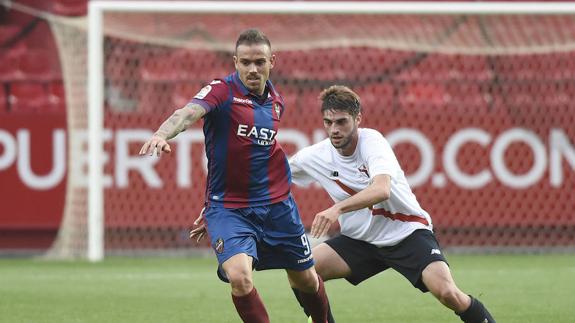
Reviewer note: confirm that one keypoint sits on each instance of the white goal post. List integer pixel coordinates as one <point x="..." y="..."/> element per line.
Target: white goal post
<point x="96" y="31"/>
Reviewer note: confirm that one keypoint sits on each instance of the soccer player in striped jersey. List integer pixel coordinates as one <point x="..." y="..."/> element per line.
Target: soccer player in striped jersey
<point x="382" y="224"/>
<point x="250" y="215"/>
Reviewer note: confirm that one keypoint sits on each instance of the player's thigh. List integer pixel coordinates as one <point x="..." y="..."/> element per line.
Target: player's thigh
<point x="437" y="277"/>
<point x="412" y="255"/>
<point x="361" y="260"/>
<point x="328" y="263"/>
<point x="284" y="243"/>
<point x="230" y="233"/>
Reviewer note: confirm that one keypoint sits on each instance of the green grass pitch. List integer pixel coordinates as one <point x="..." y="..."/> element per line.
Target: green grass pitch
<point x="516" y="288"/>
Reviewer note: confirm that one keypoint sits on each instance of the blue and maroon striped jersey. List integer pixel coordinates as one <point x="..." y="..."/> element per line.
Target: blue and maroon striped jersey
<point x="246" y="164"/>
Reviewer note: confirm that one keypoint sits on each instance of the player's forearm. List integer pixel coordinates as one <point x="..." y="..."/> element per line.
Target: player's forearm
<point x="378" y="191"/>
<point x="366" y="198"/>
<point x="179" y="121"/>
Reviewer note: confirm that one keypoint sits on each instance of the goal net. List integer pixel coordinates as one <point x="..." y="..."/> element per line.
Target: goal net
<point x="478" y="107"/>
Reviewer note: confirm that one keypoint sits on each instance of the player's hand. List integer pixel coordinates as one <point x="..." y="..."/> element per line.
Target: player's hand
<point x="323" y="221"/>
<point x="156" y="145"/>
<point x="200" y="231"/>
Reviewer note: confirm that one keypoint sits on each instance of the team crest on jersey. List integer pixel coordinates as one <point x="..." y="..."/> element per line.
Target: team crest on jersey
<point x="203" y="92"/>
<point x="219" y="245"/>
<point x="277" y="110"/>
<point x="363" y="169"/>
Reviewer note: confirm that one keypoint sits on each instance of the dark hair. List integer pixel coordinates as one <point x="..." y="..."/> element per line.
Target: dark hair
<point x="340" y="98"/>
<point x="252" y="37"/>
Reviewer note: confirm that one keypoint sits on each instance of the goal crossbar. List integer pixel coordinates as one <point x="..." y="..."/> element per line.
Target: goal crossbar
<point x="96" y="10"/>
<point x="344" y="7"/>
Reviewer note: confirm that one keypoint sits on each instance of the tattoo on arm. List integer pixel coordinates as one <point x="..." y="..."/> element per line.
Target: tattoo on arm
<point x="197" y="112"/>
<point x="180" y="120"/>
<point x="173" y="121"/>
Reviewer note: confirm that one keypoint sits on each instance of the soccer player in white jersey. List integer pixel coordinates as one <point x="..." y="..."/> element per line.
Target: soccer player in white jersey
<point x="382" y="224"/>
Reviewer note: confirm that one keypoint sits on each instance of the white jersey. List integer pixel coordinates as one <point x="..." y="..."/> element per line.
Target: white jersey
<point x="386" y="223"/>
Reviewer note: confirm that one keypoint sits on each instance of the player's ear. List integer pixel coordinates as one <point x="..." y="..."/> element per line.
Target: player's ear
<point x="235" y="61"/>
<point x="358" y="118"/>
<point x="272" y="61"/>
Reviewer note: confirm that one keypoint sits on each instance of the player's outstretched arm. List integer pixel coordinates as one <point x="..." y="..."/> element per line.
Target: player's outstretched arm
<point x="179" y="121"/>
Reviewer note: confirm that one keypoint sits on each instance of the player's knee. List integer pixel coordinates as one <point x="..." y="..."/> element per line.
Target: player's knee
<point x="449" y="296"/>
<point x="240" y="281"/>
<point x="305" y="281"/>
<point x="321" y="270"/>
<point x="309" y="285"/>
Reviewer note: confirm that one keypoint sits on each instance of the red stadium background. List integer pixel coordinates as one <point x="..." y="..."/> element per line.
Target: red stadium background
<point x="486" y="141"/>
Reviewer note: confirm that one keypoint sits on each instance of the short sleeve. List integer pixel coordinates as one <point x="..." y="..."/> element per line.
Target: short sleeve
<point x="212" y="96"/>
<point x="282" y="105"/>
<point x="379" y="156"/>
<point x="299" y="176"/>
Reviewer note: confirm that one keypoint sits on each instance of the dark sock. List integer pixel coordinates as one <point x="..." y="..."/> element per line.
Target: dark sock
<point x="476" y="313"/>
<point x="251" y="308"/>
<point x="330" y="318"/>
<point x="316" y="304"/>
<point x="296" y="294"/>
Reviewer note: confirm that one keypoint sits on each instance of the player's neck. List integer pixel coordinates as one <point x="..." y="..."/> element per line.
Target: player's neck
<point x="261" y="97"/>
<point x="349" y="149"/>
